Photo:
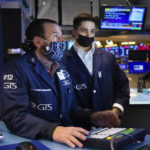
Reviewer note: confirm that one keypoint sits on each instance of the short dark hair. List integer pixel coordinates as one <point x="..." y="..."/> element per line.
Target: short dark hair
<point x="35" y="28"/>
<point x="83" y="17"/>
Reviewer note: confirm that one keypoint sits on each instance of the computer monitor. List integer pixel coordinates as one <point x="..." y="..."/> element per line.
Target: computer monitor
<point x="106" y="49"/>
<point x="137" y="67"/>
<point x="122" y="17"/>
<point x="135" y="47"/>
<point x="112" y="51"/>
<point x="127" y="52"/>
<point x="140" y="55"/>
<point x="148" y="66"/>
<point x="131" y="46"/>
<point x="122" y="51"/>
<point x="117" y="54"/>
<point x="123" y="66"/>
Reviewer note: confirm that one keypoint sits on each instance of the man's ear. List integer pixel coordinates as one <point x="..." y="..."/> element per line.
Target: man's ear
<point x="74" y="32"/>
<point x="38" y="42"/>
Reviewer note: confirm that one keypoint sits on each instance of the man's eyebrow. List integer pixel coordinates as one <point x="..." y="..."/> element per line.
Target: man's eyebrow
<point x="87" y="29"/>
<point x="84" y="28"/>
<point x="55" y="32"/>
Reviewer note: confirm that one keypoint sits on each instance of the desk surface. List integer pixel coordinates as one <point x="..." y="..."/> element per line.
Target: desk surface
<point x="12" y="139"/>
<point x="139" y="98"/>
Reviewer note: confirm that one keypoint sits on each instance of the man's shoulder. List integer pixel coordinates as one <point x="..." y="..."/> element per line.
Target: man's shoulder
<point x="68" y="54"/>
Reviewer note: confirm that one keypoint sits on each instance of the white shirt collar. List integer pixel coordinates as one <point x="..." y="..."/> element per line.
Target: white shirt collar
<point x="81" y="52"/>
<point x="86" y="57"/>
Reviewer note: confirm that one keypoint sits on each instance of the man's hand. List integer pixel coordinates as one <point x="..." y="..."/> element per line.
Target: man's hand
<point x="70" y="135"/>
<point x="116" y="110"/>
<point x="107" y="118"/>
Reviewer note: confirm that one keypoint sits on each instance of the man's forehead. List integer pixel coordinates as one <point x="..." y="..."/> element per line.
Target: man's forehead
<point x="87" y="24"/>
<point x="51" y="27"/>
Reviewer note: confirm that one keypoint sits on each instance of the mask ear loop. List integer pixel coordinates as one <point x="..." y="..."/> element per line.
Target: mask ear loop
<point x="47" y="47"/>
<point x="45" y="40"/>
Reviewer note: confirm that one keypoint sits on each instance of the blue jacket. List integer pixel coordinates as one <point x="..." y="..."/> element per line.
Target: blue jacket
<point x="32" y="98"/>
<point x="108" y="84"/>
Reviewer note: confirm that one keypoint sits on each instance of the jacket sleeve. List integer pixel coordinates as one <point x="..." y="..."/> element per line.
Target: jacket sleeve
<point x="16" y="111"/>
<point x="121" y="85"/>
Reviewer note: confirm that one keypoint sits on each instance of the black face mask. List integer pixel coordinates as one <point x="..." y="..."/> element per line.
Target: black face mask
<point x="84" y="40"/>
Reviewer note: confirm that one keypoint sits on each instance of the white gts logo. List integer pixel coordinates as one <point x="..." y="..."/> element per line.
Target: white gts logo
<point x="42" y="107"/>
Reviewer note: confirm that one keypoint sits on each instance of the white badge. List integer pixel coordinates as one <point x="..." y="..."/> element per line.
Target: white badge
<point x="62" y="74"/>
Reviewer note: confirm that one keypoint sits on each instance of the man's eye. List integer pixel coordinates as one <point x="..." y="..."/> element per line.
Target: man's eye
<point x="55" y="37"/>
<point x="93" y="31"/>
<point x="83" y="30"/>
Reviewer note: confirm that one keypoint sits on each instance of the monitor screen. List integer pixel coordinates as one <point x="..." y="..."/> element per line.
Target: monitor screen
<point x="148" y="66"/>
<point x="135" y="47"/>
<point x="123" y="66"/>
<point x="116" y="52"/>
<point x="127" y="52"/>
<point x="137" y="67"/>
<point x="140" y="55"/>
<point x="122" y="17"/>
<point x="112" y="51"/>
<point x="106" y="49"/>
<point x="122" y="51"/>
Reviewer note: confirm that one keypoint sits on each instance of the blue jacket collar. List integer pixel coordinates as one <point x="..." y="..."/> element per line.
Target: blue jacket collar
<point x="41" y="71"/>
<point x="97" y="60"/>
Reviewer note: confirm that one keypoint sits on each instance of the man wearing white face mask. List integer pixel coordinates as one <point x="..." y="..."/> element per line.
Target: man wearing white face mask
<point x="99" y="83"/>
<point x="38" y="94"/>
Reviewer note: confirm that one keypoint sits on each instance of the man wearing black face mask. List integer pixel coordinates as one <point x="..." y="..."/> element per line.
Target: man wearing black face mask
<point x="99" y="83"/>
